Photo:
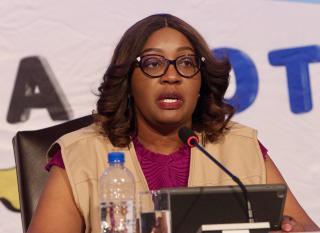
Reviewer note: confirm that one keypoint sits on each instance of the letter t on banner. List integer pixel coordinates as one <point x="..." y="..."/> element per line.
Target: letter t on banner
<point x="296" y="61"/>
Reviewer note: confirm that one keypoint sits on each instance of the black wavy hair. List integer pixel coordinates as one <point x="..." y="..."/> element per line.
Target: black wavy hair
<point x="115" y="111"/>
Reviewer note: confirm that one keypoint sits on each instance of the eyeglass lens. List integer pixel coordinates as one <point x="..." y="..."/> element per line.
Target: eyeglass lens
<point x="155" y="65"/>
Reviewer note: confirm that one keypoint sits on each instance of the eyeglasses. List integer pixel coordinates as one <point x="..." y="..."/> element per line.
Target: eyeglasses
<point x="155" y="66"/>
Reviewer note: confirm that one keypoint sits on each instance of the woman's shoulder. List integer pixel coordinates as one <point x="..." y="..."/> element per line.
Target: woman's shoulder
<point x="238" y="129"/>
<point x="92" y="132"/>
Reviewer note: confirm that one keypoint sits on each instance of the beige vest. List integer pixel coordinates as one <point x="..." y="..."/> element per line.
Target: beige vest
<point x="84" y="154"/>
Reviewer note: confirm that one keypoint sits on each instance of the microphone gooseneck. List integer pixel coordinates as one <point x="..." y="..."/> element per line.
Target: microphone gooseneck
<point x="188" y="137"/>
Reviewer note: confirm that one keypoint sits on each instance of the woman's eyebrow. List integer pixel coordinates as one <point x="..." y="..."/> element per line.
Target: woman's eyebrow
<point x="185" y="48"/>
<point x="151" y="50"/>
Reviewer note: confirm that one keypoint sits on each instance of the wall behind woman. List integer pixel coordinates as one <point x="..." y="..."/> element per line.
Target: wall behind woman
<point x="57" y="51"/>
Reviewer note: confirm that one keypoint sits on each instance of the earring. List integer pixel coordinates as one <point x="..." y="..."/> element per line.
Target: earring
<point x="128" y="101"/>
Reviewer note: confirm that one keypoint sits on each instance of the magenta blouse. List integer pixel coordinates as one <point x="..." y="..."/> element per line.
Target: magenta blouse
<point x="161" y="171"/>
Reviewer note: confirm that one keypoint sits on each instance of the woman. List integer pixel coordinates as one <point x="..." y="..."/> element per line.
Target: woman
<point x="162" y="76"/>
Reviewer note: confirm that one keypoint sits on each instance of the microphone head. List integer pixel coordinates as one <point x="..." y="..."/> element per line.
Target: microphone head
<point x="188" y="137"/>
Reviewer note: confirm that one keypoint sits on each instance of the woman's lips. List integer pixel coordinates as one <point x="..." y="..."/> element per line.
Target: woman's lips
<point x="170" y="101"/>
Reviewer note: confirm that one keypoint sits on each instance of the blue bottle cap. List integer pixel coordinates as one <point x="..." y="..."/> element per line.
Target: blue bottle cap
<point x="116" y="157"/>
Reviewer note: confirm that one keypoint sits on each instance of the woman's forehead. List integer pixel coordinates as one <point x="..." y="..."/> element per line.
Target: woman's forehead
<point x="167" y="40"/>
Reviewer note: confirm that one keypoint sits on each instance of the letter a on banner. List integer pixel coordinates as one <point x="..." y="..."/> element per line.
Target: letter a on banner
<point x="35" y="87"/>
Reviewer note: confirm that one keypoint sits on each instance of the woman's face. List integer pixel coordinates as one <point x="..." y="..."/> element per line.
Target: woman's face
<point x="169" y="100"/>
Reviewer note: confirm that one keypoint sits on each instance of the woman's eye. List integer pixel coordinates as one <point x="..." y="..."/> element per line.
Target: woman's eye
<point x="152" y="63"/>
<point x="187" y="62"/>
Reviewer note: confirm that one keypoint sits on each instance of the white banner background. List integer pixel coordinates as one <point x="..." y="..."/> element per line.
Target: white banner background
<point x="77" y="39"/>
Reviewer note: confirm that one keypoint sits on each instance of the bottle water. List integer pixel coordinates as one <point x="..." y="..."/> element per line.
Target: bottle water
<point x="117" y="197"/>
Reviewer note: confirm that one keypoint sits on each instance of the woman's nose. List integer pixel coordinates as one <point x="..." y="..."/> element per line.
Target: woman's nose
<point x="171" y="76"/>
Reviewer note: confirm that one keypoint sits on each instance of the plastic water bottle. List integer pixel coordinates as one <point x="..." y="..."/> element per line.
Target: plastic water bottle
<point x="117" y="197"/>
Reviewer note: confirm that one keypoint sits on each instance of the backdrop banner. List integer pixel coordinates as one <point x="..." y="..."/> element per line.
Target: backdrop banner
<point x="53" y="55"/>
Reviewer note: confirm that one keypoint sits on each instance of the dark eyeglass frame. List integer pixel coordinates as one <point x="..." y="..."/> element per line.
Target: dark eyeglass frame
<point x="200" y="61"/>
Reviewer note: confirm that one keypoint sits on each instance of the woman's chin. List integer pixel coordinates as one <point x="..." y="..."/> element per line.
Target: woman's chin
<point x="171" y="122"/>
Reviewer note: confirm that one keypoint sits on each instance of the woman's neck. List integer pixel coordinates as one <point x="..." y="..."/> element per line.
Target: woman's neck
<point x="164" y="141"/>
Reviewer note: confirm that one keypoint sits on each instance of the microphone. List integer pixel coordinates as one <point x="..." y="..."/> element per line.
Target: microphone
<point x="188" y="137"/>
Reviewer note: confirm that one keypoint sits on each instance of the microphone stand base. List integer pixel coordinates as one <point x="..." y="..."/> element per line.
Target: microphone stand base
<point x="257" y="227"/>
